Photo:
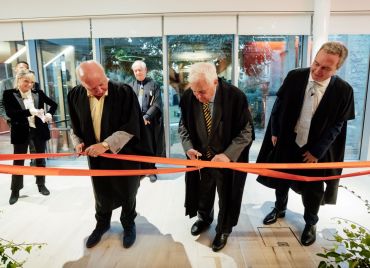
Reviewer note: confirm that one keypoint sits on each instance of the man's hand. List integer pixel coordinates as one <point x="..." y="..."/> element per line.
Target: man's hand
<point x="146" y="122"/>
<point x="220" y="158"/>
<point x="274" y="140"/>
<point x="79" y="148"/>
<point x="95" y="150"/>
<point x="309" y="158"/>
<point x="193" y="154"/>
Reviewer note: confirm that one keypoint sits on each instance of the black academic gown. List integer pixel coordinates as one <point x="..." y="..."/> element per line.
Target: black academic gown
<point x="152" y="109"/>
<point x="121" y="112"/>
<point x="232" y="120"/>
<point x="337" y="105"/>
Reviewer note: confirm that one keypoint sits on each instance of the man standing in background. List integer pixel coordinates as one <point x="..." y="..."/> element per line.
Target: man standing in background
<point x="150" y="100"/>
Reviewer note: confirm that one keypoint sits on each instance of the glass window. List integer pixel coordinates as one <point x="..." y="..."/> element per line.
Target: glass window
<point x="10" y="54"/>
<point x="57" y="62"/>
<point x="185" y="50"/>
<point x="264" y="62"/>
<point x="118" y="54"/>
<point x="356" y="72"/>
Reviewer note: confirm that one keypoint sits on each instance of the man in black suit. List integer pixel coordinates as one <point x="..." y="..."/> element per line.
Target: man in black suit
<point x="106" y="117"/>
<point x="25" y="105"/>
<point x="215" y="125"/>
<point x="308" y="124"/>
<point x="150" y="100"/>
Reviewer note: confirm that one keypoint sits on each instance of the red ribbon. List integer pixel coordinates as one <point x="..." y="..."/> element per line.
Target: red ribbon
<point x="264" y="169"/>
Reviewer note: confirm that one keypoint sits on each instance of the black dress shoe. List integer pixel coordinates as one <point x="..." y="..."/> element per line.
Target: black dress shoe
<point x="220" y="241"/>
<point x="43" y="190"/>
<point x="308" y="235"/>
<point x="95" y="236"/>
<point x="14" y="197"/>
<point x="198" y="227"/>
<point x="129" y="236"/>
<point x="273" y="216"/>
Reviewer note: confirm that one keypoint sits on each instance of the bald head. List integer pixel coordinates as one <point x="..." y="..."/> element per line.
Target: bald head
<point x="92" y="77"/>
<point x="88" y="69"/>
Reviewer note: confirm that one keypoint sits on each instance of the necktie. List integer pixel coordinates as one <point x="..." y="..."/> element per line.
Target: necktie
<point x="304" y="122"/>
<point x="140" y="95"/>
<point x="208" y="121"/>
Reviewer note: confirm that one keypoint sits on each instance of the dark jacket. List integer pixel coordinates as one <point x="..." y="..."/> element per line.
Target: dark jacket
<point x="152" y="110"/>
<point x="121" y="112"/>
<point x="230" y="121"/>
<point x="336" y="106"/>
<point x="18" y="114"/>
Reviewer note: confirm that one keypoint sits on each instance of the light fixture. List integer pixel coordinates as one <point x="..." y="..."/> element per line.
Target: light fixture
<point x="64" y="51"/>
<point x="16" y="55"/>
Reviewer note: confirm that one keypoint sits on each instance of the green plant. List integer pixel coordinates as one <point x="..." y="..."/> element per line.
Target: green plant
<point x="8" y="249"/>
<point x="352" y="245"/>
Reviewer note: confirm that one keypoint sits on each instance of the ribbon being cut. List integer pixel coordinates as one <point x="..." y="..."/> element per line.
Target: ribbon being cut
<point x="271" y="170"/>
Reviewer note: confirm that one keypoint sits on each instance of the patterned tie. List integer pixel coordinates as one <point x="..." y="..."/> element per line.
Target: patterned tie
<point x="208" y="121"/>
<point x="304" y="122"/>
<point x="140" y="95"/>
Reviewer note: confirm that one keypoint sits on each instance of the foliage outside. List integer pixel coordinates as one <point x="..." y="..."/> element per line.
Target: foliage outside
<point x="352" y="247"/>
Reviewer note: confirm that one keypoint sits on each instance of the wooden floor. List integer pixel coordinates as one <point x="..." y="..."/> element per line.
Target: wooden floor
<point x="64" y="220"/>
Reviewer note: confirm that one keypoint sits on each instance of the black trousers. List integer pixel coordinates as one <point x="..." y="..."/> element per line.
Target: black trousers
<point x="150" y="134"/>
<point x="40" y="147"/>
<point x="312" y="192"/>
<point x="113" y="192"/>
<point x="212" y="179"/>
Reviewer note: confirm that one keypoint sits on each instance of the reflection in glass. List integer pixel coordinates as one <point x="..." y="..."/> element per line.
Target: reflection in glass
<point x="57" y="62"/>
<point x="356" y="72"/>
<point x="185" y="50"/>
<point x="264" y="62"/>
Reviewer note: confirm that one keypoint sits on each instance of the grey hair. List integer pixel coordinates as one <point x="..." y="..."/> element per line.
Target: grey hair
<point x="24" y="74"/>
<point x="138" y="63"/>
<point x="336" y="48"/>
<point x="202" y="70"/>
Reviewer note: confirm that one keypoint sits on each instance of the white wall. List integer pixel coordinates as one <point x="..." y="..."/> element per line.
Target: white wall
<point x="52" y="19"/>
<point x="37" y="9"/>
<point x="63" y="8"/>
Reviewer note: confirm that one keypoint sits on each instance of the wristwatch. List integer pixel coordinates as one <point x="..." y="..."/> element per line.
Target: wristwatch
<point x="105" y="145"/>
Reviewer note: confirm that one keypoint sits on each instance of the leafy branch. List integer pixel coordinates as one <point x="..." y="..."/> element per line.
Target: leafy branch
<point x="352" y="247"/>
<point x="8" y="249"/>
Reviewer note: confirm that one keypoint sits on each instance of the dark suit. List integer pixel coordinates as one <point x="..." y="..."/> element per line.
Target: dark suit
<point x="231" y="134"/>
<point x="121" y="112"/>
<point x="152" y="110"/>
<point x="9" y="84"/>
<point x="326" y="140"/>
<point x="21" y="133"/>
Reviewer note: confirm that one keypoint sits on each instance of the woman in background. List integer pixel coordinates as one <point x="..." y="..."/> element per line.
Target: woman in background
<point x="29" y="123"/>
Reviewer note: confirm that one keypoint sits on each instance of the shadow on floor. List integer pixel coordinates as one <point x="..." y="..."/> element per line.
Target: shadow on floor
<point x="151" y="249"/>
